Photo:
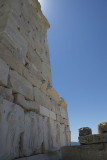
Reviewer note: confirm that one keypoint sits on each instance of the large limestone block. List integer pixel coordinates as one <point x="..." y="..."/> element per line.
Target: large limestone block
<point x="10" y="48"/>
<point x="33" y="134"/>
<point x="11" y="129"/>
<point x="10" y="60"/>
<point x="21" y="85"/>
<point x="63" y="138"/>
<point x="27" y="105"/>
<point x="34" y="71"/>
<point x="4" y="70"/>
<point x="44" y="111"/>
<point x="54" y="135"/>
<point x="46" y="128"/>
<point x="102" y="127"/>
<point x="6" y="93"/>
<point x="46" y="71"/>
<point x="31" y="78"/>
<point x="92" y="139"/>
<point x="41" y="98"/>
<point x="63" y="112"/>
<point x="52" y="115"/>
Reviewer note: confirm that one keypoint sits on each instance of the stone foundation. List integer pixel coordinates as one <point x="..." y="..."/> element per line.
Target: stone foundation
<point x="33" y="118"/>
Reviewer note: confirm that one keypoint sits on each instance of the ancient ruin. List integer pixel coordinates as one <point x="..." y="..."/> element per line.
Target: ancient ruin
<point x="92" y="146"/>
<point x="33" y="118"/>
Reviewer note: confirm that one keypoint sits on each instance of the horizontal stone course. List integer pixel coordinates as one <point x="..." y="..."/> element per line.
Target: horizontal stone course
<point x="93" y="139"/>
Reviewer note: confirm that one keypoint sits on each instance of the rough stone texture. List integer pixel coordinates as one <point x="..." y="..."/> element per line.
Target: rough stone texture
<point x="4" y="70"/>
<point x="33" y="118"/>
<point x="6" y="93"/>
<point x="102" y="127"/>
<point x="11" y="128"/>
<point x="21" y="85"/>
<point x="85" y="152"/>
<point x="85" y="131"/>
<point x="92" y="139"/>
<point x="27" y="105"/>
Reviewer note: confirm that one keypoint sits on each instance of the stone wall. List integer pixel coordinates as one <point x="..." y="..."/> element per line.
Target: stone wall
<point x="92" y="146"/>
<point x="33" y="118"/>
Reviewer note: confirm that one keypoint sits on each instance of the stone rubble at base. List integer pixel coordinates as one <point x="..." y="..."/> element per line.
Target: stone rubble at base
<point x="33" y="118"/>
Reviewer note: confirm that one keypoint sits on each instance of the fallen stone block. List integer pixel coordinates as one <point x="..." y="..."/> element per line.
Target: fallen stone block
<point x="85" y="131"/>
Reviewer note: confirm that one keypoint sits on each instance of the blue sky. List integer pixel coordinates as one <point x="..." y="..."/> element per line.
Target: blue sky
<point x="78" y="53"/>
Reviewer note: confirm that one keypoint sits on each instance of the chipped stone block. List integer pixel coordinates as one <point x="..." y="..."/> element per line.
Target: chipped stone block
<point x="85" y="131"/>
<point x="11" y="128"/>
<point x="92" y="139"/>
<point x="4" y="70"/>
<point x="27" y="105"/>
<point x="32" y="134"/>
<point x="102" y="127"/>
<point x="21" y="85"/>
<point x="6" y="93"/>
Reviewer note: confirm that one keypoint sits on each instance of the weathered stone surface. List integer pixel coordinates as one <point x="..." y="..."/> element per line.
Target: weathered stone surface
<point x="4" y="70"/>
<point x="27" y="105"/>
<point x="92" y="139"/>
<point x="33" y="135"/>
<point x="102" y="127"/>
<point x="6" y="93"/>
<point x="46" y="70"/>
<point x="30" y="125"/>
<point x="63" y="112"/>
<point x="85" y="152"/>
<point x="21" y="85"/>
<point x="63" y="138"/>
<point x="85" y="131"/>
<point x="52" y="115"/>
<point x="54" y="135"/>
<point x="41" y="98"/>
<point x="44" y="111"/>
<point x="11" y="128"/>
